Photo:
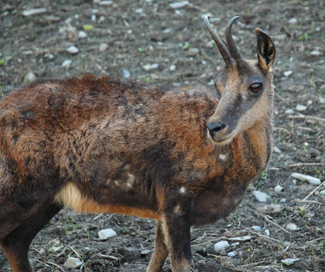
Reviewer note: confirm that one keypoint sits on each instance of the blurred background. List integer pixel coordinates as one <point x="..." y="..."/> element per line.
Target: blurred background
<point x="166" y="43"/>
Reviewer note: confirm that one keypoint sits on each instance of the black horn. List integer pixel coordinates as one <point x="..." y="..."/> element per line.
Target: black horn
<point x="231" y="44"/>
<point x="221" y="46"/>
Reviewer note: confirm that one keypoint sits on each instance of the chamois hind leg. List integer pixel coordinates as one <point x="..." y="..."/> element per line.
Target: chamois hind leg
<point x="16" y="243"/>
<point x="160" y="252"/>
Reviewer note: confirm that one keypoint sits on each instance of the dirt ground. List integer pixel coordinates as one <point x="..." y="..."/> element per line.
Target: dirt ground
<point x="156" y="43"/>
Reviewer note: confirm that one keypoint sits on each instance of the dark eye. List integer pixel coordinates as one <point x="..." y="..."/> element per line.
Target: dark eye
<point x="256" y="87"/>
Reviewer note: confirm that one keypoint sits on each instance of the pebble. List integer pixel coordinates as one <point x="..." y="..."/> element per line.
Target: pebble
<point x="31" y="12"/>
<point x="232" y="254"/>
<point x="126" y="73"/>
<point x="103" y="47"/>
<point x="283" y="200"/>
<point x="193" y="52"/>
<point x="278" y="188"/>
<point x="49" y="56"/>
<point x="66" y="63"/>
<point x="105" y="3"/>
<point x="272" y="208"/>
<point x="172" y="68"/>
<point x="289" y="261"/>
<point x="267" y="232"/>
<point x="289" y="111"/>
<point x="322" y="192"/>
<point x="292" y="21"/>
<point x="178" y="5"/>
<point x="106" y="233"/>
<point x="315" y="53"/>
<point x="72" y="50"/>
<point x="55" y="249"/>
<point x="260" y="197"/>
<point x="240" y="239"/>
<point x="276" y="149"/>
<point x="220" y="246"/>
<point x="301" y="107"/>
<point x="72" y="263"/>
<point x="29" y="77"/>
<point x="93" y="18"/>
<point x="145" y="252"/>
<point x="149" y="66"/>
<point x="82" y="34"/>
<point x="309" y="179"/>
<point x="287" y="73"/>
<point x="256" y="228"/>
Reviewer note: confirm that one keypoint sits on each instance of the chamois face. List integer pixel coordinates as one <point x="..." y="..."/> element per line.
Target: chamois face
<point x="243" y="96"/>
<point x="245" y="87"/>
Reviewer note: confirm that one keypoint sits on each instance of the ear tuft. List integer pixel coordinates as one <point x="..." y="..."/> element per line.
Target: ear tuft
<point x="265" y="51"/>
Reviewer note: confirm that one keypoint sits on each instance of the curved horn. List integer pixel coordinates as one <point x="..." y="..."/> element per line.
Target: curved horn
<point x="221" y="46"/>
<point x="231" y="44"/>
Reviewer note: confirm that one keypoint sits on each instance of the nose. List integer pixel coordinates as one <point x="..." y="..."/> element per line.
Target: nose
<point x="215" y="127"/>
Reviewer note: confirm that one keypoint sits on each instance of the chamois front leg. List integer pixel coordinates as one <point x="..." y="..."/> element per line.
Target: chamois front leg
<point x="160" y="252"/>
<point x="176" y="223"/>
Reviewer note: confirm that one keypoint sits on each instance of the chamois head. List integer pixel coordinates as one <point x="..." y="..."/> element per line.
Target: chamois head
<point x="245" y="87"/>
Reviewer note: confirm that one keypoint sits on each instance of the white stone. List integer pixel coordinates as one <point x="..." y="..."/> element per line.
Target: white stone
<point x="260" y="197"/>
<point x="292" y="226"/>
<point x="29" y="77"/>
<point x="289" y="111"/>
<point x="149" y="66"/>
<point x="278" y="188"/>
<point x="322" y="192"/>
<point x="292" y="21"/>
<point x="105" y="3"/>
<point x="106" y="233"/>
<point x="267" y="232"/>
<point x="82" y="34"/>
<point x="256" y="228"/>
<point x="240" y="239"/>
<point x="55" y="249"/>
<point x="72" y="50"/>
<point x="287" y="73"/>
<point x="126" y="73"/>
<point x="220" y="246"/>
<point x="93" y="18"/>
<point x="139" y="10"/>
<point x="172" y="68"/>
<point x="72" y="263"/>
<point x="66" y="63"/>
<point x="301" y="107"/>
<point x="272" y="208"/>
<point x="309" y="179"/>
<point x="276" y="149"/>
<point x="193" y="52"/>
<point x="232" y="254"/>
<point x="315" y="53"/>
<point x="289" y="261"/>
<point x="103" y="47"/>
<point x="178" y="5"/>
<point x="31" y="12"/>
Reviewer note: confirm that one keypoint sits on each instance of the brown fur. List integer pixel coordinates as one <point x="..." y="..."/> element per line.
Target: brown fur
<point x="98" y="144"/>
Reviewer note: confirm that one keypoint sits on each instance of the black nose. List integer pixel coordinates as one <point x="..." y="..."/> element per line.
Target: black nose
<point x="215" y="127"/>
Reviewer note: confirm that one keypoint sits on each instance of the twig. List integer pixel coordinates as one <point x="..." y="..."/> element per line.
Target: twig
<point x="301" y="164"/>
<point x="270" y="221"/>
<point x="301" y="116"/>
<point x="50" y="263"/>
<point x="313" y="191"/>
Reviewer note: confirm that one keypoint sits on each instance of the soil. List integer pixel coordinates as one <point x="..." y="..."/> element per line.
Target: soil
<point x="138" y="33"/>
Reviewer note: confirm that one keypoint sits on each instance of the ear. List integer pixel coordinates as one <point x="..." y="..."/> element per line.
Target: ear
<point x="265" y="51"/>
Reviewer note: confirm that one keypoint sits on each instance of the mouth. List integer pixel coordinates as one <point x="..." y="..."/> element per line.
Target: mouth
<point x="226" y="139"/>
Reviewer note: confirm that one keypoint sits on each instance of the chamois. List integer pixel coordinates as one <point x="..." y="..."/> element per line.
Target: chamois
<point x="104" y="145"/>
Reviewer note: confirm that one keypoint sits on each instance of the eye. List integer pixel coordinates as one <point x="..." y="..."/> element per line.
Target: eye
<point x="256" y="87"/>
